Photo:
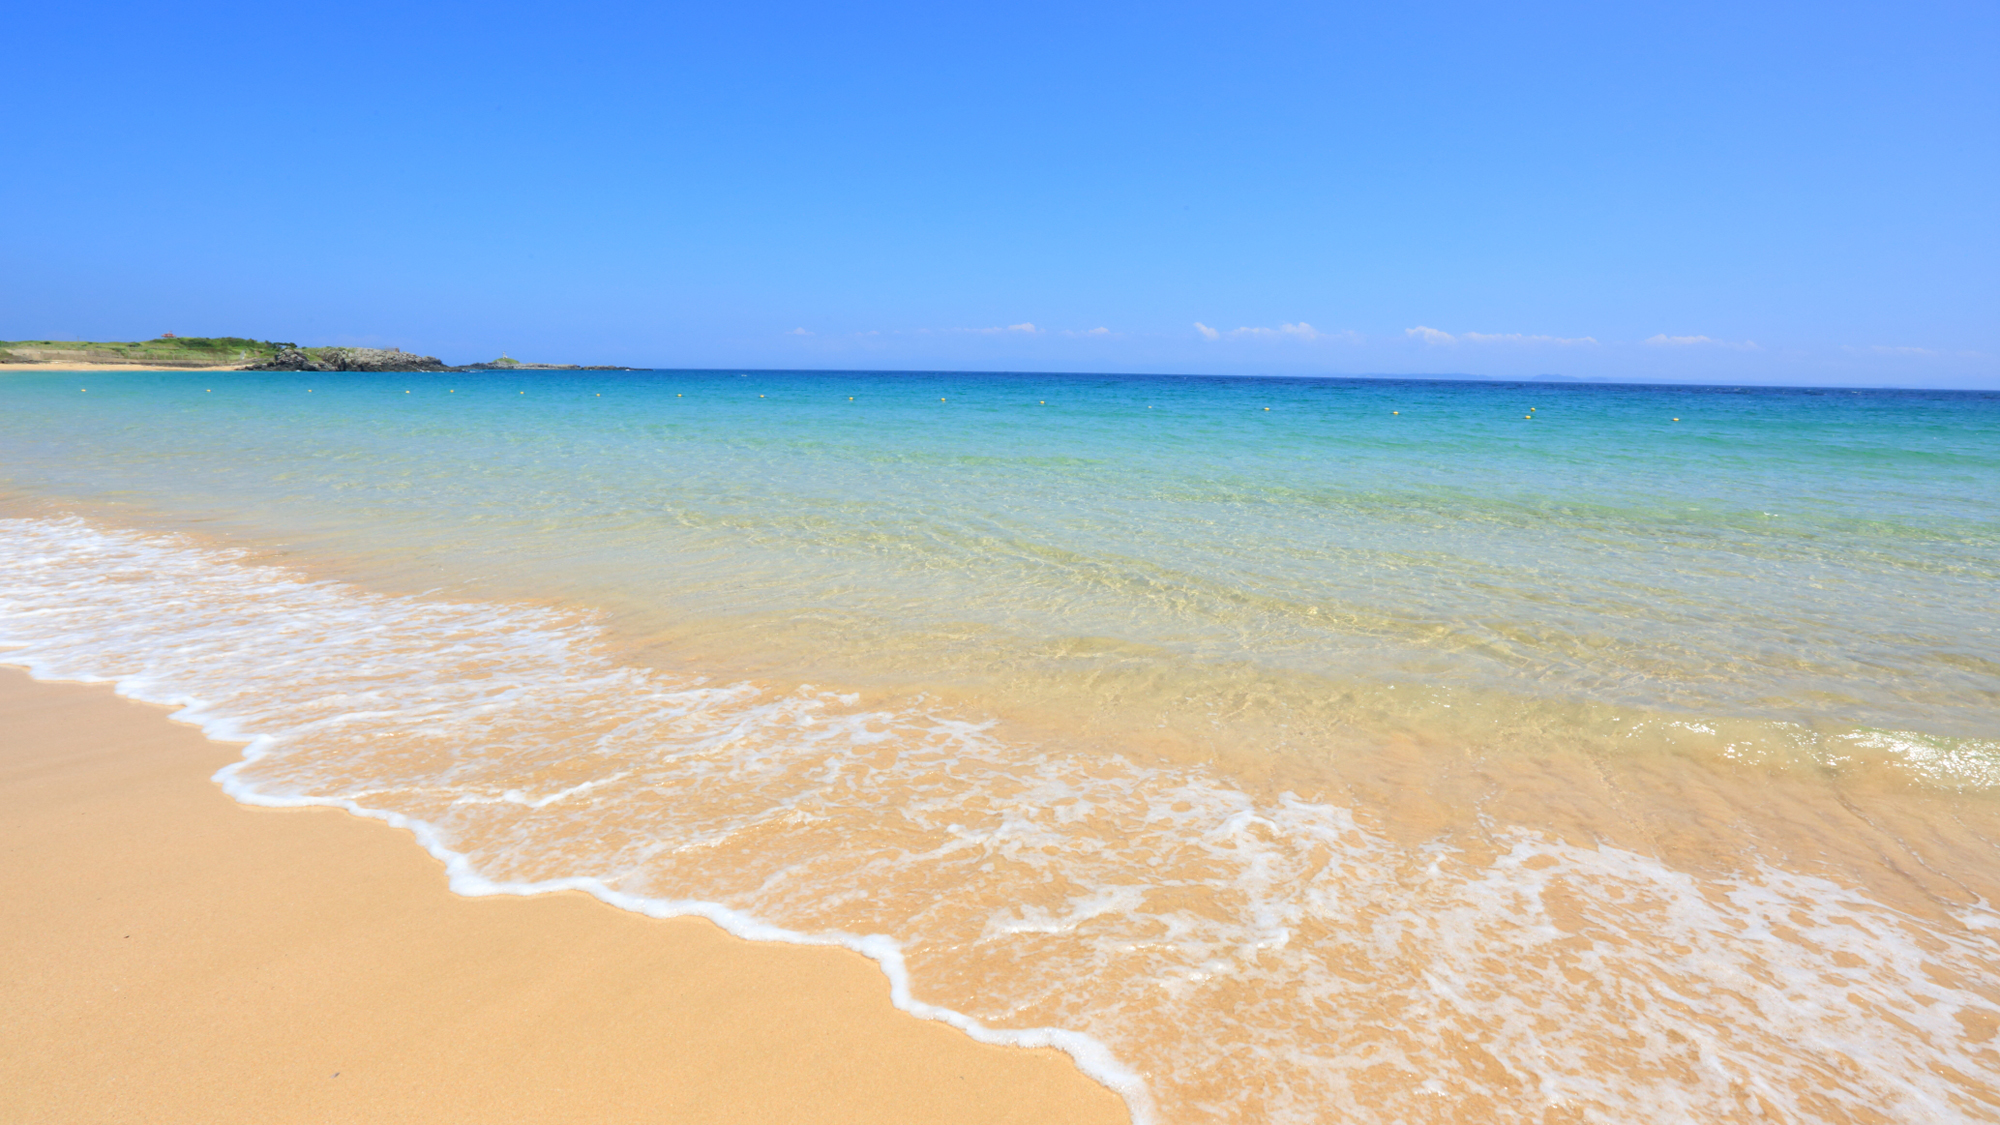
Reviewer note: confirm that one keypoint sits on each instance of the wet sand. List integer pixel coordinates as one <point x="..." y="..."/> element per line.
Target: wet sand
<point x="170" y="955"/>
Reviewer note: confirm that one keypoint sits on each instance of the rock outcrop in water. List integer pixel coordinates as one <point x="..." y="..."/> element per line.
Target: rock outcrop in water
<point x="515" y="366"/>
<point x="350" y="359"/>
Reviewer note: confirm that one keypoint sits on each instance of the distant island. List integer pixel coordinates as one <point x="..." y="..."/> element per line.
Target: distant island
<point x="245" y="354"/>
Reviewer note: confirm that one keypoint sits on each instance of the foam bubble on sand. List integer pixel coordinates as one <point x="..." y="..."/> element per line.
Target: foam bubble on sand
<point x="1209" y="953"/>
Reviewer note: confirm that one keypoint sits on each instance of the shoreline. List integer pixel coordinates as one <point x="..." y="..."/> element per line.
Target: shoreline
<point x="176" y="956"/>
<point x="72" y="365"/>
<point x="569" y="654"/>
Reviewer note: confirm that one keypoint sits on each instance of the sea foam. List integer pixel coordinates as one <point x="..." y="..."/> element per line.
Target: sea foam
<point x="1206" y="952"/>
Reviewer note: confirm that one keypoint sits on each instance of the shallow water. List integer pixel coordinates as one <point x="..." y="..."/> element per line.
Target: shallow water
<point x="1305" y="750"/>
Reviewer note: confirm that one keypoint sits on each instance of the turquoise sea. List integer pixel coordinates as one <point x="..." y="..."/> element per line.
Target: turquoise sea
<point x="1286" y="749"/>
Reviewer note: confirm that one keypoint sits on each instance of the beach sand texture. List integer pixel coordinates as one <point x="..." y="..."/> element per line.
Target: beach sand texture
<point x="45" y="367"/>
<point x="173" y="956"/>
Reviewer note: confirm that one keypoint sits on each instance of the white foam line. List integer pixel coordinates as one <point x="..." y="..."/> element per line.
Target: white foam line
<point x="1092" y="1057"/>
<point x="1707" y="991"/>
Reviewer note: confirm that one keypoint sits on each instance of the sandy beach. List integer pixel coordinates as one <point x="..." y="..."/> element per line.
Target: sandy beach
<point x="173" y="956"/>
<point x="67" y="365"/>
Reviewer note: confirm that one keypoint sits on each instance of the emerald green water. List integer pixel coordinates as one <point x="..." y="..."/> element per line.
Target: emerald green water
<point x="1806" y="555"/>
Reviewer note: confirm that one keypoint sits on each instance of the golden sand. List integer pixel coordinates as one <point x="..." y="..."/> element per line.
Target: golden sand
<point x="172" y="956"/>
<point x="71" y="365"/>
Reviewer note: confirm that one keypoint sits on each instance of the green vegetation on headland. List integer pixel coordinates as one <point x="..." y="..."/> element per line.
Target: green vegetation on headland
<point x="257" y="355"/>
<point x="167" y="351"/>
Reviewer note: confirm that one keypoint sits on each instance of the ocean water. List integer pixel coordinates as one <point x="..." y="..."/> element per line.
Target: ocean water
<point x="1287" y="750"/>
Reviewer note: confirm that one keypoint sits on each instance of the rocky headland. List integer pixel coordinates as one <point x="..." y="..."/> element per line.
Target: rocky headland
<point x="396" y="359"/>
<point x="349" y="359"/>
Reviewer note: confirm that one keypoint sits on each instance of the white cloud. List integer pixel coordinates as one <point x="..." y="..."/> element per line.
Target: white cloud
<point x="1023" y="328"/>
<point x="1519" y="338"/>
<point x="1299" y="331"/>
<point x="799" y="332"/>
<point x="1665" y="341"/>
<point x="1435" y="336"/>
<point x="1925" y="353"/>
<point x="1100" y="331"/>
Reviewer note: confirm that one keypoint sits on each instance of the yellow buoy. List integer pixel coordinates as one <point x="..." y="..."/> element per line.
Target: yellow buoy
<point x="1395" y="412"/>
<point x="1677" y="419"/>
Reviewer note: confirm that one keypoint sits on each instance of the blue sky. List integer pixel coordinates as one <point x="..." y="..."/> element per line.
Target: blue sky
<point x="1784" y="193"/>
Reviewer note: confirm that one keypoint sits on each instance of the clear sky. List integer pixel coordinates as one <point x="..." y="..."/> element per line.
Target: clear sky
<point x="1715" y="192"/>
